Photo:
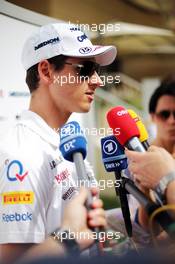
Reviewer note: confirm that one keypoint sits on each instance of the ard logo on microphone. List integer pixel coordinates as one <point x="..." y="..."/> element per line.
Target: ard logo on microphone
<point x="109" y="147"/>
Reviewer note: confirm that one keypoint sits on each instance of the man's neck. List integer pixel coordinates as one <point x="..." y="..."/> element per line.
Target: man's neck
<point x="44" y="107"/>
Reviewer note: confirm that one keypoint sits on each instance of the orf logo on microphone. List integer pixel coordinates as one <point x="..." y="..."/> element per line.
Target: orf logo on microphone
<point x="122" y="112"/>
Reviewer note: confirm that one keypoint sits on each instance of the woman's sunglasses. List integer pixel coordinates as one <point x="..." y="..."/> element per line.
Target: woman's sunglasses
<point x="86" y="69"/>
<point x="165" y="114"/>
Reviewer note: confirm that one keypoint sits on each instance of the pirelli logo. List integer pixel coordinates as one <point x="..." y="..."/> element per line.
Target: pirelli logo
<point x="17" y="198"/>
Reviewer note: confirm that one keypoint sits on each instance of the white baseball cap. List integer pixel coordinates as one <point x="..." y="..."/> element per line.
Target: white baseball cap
<point x="63" y="39"/>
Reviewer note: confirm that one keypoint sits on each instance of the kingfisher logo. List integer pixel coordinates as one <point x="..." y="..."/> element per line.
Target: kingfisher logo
<point x="62" y="176"/>
<point x="15" y="171"/>
<point x="25" y="217"/>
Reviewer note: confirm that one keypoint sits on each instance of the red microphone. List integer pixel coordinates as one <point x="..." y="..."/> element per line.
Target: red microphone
<point x="120" y="120"/>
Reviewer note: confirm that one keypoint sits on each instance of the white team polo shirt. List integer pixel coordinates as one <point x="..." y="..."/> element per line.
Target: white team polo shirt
<point x="35" y="181"/>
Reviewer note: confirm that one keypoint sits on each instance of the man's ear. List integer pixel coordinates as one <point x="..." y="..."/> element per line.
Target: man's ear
<point x="45" y="71"/>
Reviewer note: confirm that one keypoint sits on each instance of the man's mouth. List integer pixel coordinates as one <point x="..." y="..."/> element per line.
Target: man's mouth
<point x="90" y="95"/>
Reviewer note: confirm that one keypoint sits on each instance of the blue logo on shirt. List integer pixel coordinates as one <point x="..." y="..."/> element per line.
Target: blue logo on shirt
<point x="15" y="171"/>
<point x="17" y="217"/>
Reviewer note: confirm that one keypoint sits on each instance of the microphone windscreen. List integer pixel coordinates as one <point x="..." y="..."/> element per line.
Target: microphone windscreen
<point x="72" y="140"/>
<point x="119" y="120"/>
<point x="113" y="154"/>
<point x="143" y="132"/>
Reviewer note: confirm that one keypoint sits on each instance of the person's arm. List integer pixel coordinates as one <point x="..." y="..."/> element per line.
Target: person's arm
<point x="148" y="169"/>
<point x="76" y="219"/>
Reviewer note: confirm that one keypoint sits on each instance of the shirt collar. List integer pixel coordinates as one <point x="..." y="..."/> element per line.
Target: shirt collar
<point x="40" y="127"/>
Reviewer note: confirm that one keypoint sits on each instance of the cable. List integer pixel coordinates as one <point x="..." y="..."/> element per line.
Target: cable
<point x="154" y="214"/>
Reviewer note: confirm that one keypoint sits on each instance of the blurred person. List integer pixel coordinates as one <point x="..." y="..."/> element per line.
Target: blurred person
<point x="162" y="111"/>
<point x="155" y="170"/>
<point x="76" y="220"/>
<point x="36" y="182"/>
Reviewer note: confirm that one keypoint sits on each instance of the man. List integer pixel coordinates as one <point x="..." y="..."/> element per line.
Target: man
<point x="162" y="110"/>
<point x="32" y="168"/>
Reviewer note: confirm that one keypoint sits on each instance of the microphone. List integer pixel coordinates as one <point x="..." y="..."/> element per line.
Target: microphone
<point x="119" y="119"/>
<point x="142" y="129"/>
<point x="115" y="160"/>
<point x="73" y="148"/>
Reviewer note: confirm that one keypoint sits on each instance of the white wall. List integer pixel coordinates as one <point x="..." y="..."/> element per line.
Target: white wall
<point x="16" y="24"/>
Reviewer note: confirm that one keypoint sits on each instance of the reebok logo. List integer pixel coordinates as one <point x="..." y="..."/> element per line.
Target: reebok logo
<point x="17" y="217"/>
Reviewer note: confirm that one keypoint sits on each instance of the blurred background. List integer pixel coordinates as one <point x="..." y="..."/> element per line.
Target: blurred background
<point x="142" y="31"/>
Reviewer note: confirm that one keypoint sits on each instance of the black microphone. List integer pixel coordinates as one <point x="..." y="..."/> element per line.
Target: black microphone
<point x="114" y="159"/>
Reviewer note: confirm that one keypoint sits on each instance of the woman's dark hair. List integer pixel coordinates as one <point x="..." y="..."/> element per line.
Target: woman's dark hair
<point x="167" y="87"/>
<point x="32" y="77"/>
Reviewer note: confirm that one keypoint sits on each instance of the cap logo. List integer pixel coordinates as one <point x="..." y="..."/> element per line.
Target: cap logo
<point x="82" y="37"/>
<point x="50" y="41"/>
<point x="98" y="47"/>
<point x="74" y="29"/>
<point x="85" y="50"/>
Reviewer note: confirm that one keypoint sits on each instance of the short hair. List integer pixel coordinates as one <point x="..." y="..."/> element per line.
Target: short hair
<point x="32" y="77"/>
<point x="167" y="87"/>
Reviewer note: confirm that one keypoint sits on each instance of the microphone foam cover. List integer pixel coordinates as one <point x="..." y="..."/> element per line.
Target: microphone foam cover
<point x="143" y="132"/>
<point x="72" y="140"/>
<point x="119" y="120"/>
<point x="113" y="156"/>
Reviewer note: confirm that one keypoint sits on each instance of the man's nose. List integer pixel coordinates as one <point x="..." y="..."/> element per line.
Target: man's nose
<point x="95" y="80"/>
<point x="171" y="119"/>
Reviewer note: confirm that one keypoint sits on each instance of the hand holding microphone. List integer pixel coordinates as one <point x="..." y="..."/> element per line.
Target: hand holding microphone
<point x="73" y="148"/>
<point x="150" y="167"/>
<point x="119" y="118"/>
